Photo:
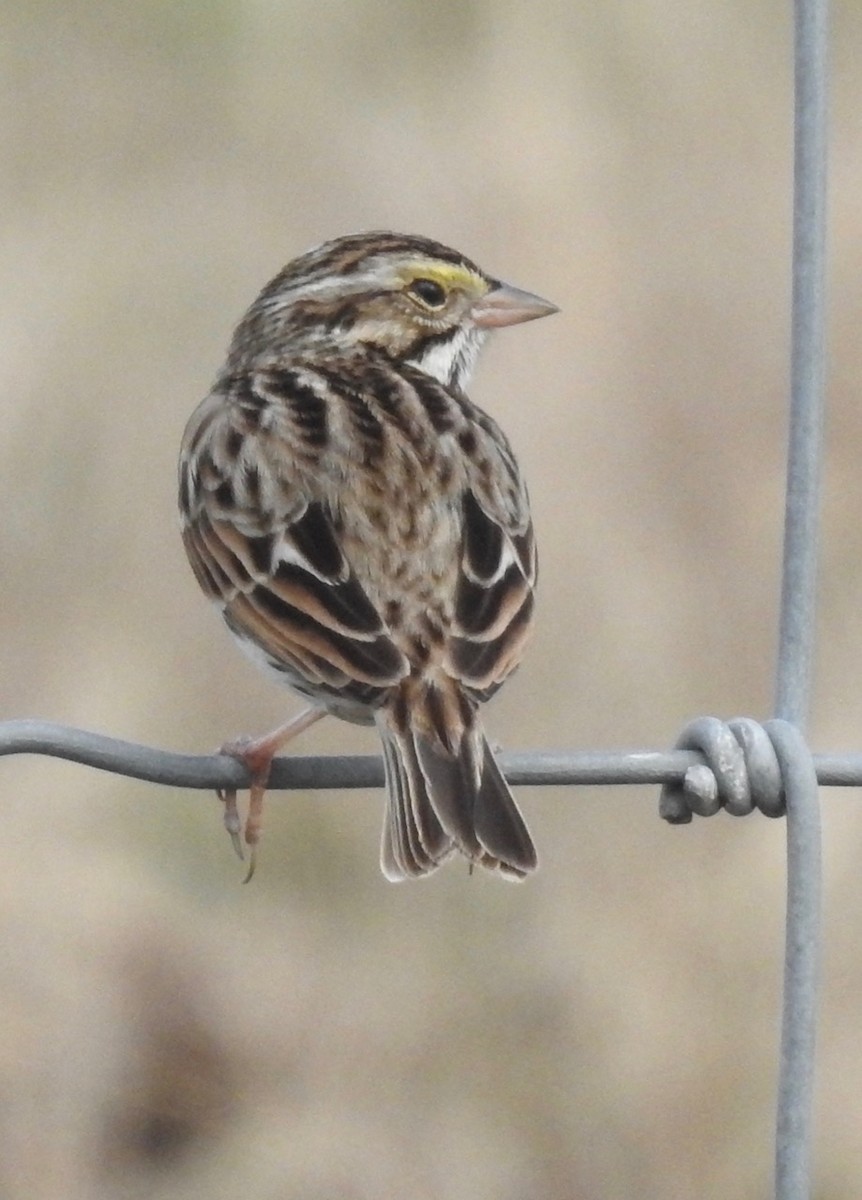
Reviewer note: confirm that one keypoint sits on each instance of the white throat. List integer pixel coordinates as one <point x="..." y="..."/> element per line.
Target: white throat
<point x="451" y="362"/>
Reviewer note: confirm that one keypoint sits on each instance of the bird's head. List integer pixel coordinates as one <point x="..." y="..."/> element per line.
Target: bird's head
<point x="408" y="297"/>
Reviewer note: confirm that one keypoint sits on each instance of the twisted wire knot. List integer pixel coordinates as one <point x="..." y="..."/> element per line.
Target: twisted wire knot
<point x="741" y="771"/>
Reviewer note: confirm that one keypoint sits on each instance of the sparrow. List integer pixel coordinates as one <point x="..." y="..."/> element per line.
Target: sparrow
<point x="364" y="529"/>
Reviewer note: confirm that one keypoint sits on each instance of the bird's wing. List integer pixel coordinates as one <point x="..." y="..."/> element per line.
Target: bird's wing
<point x="495" y="590"/>
<point x="266" y="550"/>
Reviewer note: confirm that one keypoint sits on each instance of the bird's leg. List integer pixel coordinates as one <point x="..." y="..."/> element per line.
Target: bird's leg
<point x="257" y="754"/>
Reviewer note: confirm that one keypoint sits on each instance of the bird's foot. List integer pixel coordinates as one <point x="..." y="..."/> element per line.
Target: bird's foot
<point x="256" y="755"/>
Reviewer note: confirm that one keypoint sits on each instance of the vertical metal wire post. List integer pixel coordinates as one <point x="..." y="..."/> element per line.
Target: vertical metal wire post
<point x="796" y="631"/>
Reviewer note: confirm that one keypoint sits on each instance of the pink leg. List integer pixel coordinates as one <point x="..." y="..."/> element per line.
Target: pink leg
<point x="257" y="755"/>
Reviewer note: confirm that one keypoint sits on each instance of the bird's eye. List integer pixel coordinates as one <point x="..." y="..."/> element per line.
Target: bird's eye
<point x="429" y="291"/>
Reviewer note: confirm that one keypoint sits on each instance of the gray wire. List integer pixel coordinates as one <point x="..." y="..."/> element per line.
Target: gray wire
<point x="801" y="965"/>
<point x="807" y="369"/>
<point x="794" y="1119"/>
<point x="209" y="771"/>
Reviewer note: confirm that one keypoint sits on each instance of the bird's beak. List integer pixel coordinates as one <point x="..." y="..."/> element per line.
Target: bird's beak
<point x="506" y="305"/>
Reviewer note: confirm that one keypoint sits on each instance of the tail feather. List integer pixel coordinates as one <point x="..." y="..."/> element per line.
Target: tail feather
<point x="450" y="786"/>
<point x="414" y="841"/>
<point x="440" y="801"/>
<point x="499" y="825"/>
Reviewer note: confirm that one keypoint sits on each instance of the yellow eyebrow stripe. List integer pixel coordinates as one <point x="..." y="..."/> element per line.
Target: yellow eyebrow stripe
<point x="448" y="275"/>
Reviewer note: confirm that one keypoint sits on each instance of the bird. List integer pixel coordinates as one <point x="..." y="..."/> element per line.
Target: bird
<point x="365" y="531"/>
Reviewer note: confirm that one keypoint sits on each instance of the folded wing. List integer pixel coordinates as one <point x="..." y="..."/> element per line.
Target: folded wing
<point x="270" y="557"/>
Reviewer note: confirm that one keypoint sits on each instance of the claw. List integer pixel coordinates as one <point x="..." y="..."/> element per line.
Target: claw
<point x="252" y="863"/>
<point x="236" y="842"/>
<point x="232" y="822"/>
<point x="256" y="755"/>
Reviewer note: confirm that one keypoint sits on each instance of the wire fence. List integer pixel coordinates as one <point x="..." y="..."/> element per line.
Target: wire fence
<point x="737" y="765"/>
<point x="720" y="768"/>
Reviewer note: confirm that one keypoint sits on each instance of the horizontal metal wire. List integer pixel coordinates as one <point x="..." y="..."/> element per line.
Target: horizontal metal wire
<point x="537" y="768"/>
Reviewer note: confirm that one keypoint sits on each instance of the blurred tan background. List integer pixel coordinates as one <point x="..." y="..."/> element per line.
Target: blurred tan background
<point x="610" y="1028"/>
